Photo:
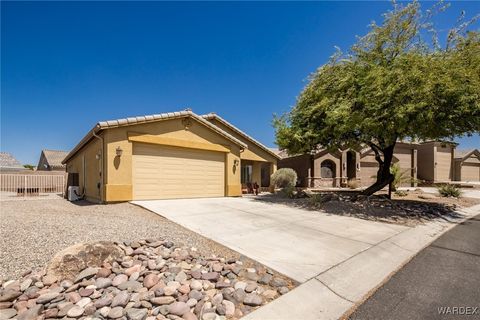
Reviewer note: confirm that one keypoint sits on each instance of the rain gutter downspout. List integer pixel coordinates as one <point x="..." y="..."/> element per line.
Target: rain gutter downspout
<point x="102" y="182"/>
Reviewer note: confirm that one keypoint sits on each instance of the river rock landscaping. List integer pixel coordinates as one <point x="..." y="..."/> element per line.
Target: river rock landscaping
<point x="148" y="279"/>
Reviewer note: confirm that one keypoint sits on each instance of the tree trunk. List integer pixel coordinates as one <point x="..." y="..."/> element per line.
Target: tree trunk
<point x="384" y="177"/>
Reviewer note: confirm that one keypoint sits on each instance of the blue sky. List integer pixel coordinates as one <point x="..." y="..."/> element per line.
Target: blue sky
<point x="67" y="65"/>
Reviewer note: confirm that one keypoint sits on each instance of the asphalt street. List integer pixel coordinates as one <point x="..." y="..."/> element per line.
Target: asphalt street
<point x="441" y="282"/>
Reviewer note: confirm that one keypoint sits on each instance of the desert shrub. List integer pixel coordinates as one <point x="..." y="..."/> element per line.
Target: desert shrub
<point x="316" y="199"/>
<point x="449" y="190"/>
<point x="288" y="192"/>
<point x="352" y="184"/>
<point x="400" y="193"/>
<point x="284" y="177"/>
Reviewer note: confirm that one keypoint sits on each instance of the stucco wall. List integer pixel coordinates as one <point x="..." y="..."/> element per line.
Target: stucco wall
<point x="403" y="156"/>
<point x="368" y="168"/>
<point x="317" y="180"/>
<point x="426" y="161"/>
<point x="443" y="163"/>
<point x="90" y="179"/>
<point x="253" y="152"/>
<point x="119" y="169"/>
<point x="302" y="165"/>
<point x="42" y="164"/>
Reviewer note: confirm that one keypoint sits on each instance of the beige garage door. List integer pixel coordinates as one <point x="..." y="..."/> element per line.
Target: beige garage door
<point x="161" y="172"/>
<point x="470" y="171"/>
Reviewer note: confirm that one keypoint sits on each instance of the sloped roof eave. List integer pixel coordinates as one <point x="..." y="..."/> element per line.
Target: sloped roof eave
<point x="467" y="155"/>
<point x="104" y="125"/>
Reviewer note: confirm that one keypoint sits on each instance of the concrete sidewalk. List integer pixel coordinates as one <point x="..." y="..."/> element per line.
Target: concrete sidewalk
<point x="338" y="260"/>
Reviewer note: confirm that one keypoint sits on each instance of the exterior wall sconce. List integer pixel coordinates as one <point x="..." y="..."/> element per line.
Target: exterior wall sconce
<point x="236" y="162"/>
<point x="118" y="151"/>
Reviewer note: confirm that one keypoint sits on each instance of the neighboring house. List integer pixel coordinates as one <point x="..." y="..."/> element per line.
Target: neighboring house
<point x="51" y="160"/>
<point x="467" y="165"/>
<point x="336" y="168"/>
<point x="431" y="162"/>
<point x="169" y="155"/>
<point x="435" y="161"/>
<point x="303" y="166"/>
<point x="8" y="164"/>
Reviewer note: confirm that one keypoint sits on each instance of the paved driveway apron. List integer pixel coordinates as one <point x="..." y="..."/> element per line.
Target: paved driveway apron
<point x="299" y="243"/>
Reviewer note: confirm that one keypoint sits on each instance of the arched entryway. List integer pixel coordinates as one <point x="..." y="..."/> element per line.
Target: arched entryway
<point x="327" y="169"/>
<point x="351" y="165"/>
<point x="328" y="173"/>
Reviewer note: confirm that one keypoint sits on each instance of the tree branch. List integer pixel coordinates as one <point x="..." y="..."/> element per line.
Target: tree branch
<point x="376" y="149"/>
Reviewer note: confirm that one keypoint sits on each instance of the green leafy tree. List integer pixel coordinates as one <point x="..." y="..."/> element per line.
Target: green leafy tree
<point x="396" y="82"/>
<point x="29" y="166"/>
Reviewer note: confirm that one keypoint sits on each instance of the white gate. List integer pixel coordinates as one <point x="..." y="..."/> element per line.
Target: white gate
<point x="29" y="185"/>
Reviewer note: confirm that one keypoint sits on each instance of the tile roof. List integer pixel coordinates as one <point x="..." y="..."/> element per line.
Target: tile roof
<point x="8" y="161"/>
<point x="462" y="154"/>
<point x="282" y="154"/>
<point x="55" y="157"/>
<point x="213" y="115"/>
<point x="102" y="125"/>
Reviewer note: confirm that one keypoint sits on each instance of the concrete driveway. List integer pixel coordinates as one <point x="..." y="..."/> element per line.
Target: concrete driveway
<point x="338" y="260"/>
<point x="299" y="243"/>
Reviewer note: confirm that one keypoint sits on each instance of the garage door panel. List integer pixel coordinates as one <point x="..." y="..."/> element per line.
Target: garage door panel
<point x="161" y="172"/>
<point x="470" y="172"/>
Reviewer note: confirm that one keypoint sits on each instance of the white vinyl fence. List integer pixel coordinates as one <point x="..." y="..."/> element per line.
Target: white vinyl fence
<point x="30" y="185"/>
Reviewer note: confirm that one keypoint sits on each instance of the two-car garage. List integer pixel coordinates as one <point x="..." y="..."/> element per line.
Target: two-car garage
<point x="165" y="156"/>
<point x="172" y="172"/>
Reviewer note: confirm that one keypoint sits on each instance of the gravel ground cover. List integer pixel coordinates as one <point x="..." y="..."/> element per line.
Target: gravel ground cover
<point x="413" y="208"/>
<point x="152" y="279"/>
<point x="32" y="232"/>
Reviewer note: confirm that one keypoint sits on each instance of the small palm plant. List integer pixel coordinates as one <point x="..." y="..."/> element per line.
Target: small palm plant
<point x="399" y="176"/>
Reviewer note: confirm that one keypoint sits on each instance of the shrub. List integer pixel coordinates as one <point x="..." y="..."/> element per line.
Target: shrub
<point x="288" y="192"/>
<point x="449" y="190"/>
<point x="400" y="193"/>
<point x="316" y="200"/>
<point x="352" y="184"/>
<point x="284" y="177"/>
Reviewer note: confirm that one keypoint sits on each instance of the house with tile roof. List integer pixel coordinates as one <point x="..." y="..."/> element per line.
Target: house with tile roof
<point x="467" y="165"/>
<point x="51" y="160"/>
<point x="9" y="164"/>
<point x="165" y="156"/>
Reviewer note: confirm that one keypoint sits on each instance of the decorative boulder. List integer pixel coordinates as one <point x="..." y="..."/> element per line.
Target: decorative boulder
<point x="67" y="264"/>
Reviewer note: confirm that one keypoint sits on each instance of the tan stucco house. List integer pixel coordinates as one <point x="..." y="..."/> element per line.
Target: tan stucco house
<point x="51" y="160"/>
<point x="435" y="161"/>
<point x="430" y="162"/>
<point x="327" y="168"/>
<point x="467" y="165"/>
<point x="9" y="164"/>
<point x="165" y="156"/>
